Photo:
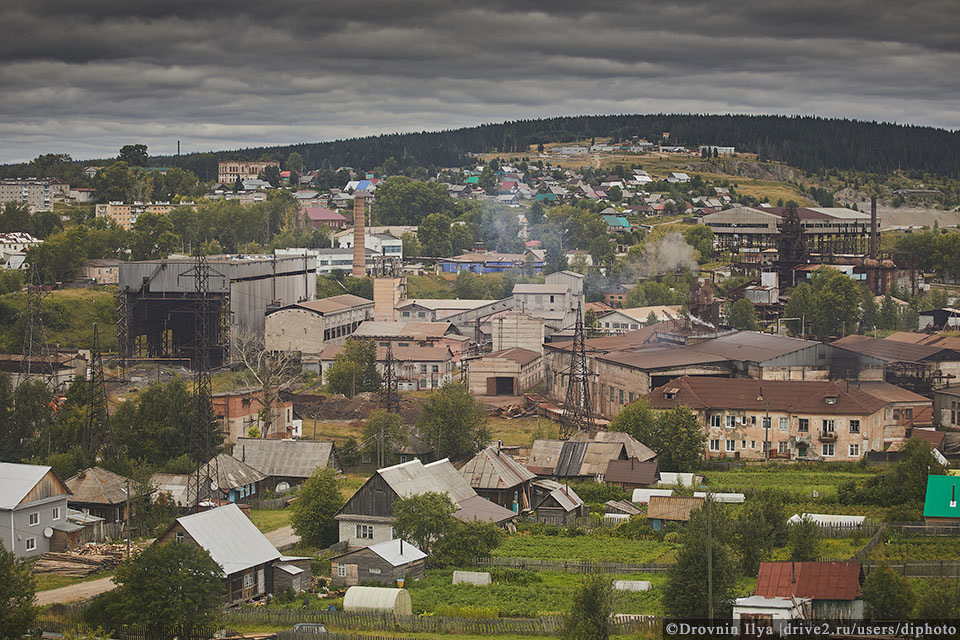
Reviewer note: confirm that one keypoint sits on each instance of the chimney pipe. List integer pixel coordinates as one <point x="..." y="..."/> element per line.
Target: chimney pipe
<point x="359" y="250"/>
<point x="793" y="572"/>
<point x="873" y="227"/>
<point x="401" y="546"/>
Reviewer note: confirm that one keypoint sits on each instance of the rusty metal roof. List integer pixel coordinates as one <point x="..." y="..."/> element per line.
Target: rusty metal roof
<point x="817" y="580"/>
<point x="894" y="351"/>
<point x="633" y="447"/>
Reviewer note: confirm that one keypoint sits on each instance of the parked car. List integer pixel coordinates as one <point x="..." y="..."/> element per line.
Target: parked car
<point x="313" y="628"/>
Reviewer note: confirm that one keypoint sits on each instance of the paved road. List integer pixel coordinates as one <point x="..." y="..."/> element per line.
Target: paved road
<point x="282" y="537"/>
<point x="80" y="591"/>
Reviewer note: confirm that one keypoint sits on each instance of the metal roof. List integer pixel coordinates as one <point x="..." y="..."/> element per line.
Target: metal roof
<point x="633" y="447"/>
<point x="231" y="473"/>
<point x="565" y="497"/>
<point x="293" y="458"/>
<point x="941" y="498"/>
<point x="631" y="471"/>
<point x="477" y="508"/>
<point x="176" y="485"/>
<point x="492" y="469"/>
<point x="17" y="480"/>
<point x="817" y="580"/>
<point x="893" y="351"/>
<point x="232" y="540"/>
<point x="571" y="459"/>
<point x="414" y="478"/>
<point x="397" y="552"/>
<point x="332" y="304"/>
<point x="624" y="506"/>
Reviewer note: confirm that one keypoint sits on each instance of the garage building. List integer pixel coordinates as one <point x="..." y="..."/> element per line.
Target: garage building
<point x="508" y="372"/>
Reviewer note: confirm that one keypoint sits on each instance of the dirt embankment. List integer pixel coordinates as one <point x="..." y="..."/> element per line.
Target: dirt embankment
<point x="340" y="407"/>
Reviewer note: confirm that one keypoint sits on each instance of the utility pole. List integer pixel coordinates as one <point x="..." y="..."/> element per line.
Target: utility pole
<point x="709" y="558"/>
<point x="126" y="518"/>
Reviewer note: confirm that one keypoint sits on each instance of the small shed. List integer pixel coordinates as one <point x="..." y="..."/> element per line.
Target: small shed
<point x="293" y="572"/>
<point x="384" y="563"/>
<point x="833" y="587"/>
<point x="555" y="503"/>
<point x="478" y="578"/>
<point x="940" y="503"/>
<point x="378" y="600"/>
<point x="99" y="492"/>
<point x="623" y="507"/>
<point x="664" y="509"/>
<point x="642" y="496"/>
<point x="632" y="474"/>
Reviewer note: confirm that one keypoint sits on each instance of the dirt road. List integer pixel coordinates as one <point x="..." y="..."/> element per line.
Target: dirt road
<point x="79" y="591"/>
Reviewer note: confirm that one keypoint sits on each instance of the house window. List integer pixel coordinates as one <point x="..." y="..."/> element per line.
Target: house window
<point x="342" y="570"/>
<point x="423" y="368"/>
<point x="31" y="544"/>
<point x="767" y="423"/>
<point x="34" y="518"/>
<point x="715" y="444"/>
<point x="248" y="581"/>
<point x="715" y="420"/>
<point x="827" y="450"/>
<point x="621" y="396"/>
<point x="612" y="397"/>
<point x="828" y="426"/>
<point x="56" y="514"/>
<point x="896" y="414"/>
<point x="632" y="396"/>
<point x="854" y="451"/>
<point x="783" y="447"/>
<point x="731" y="445"/>
<point x="908" y="413"/>
<point x="804" y="424"/>
<point x="753" y="445"/>
<point x="435" y="368"/>
<point x="365" y="531"/>
<point x="729" y="422"/>
<point x="854" y="426"/>
<point x="179" y="536"/>
<point x="783" y="424"/>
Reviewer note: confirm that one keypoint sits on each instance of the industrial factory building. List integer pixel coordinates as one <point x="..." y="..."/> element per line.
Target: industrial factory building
<point x="161" y="311"/>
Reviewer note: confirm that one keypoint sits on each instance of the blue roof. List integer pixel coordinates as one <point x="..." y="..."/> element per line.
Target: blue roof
<point x="616" y="221"/>
<point x="545" y="196"/>
<point x="363" y="185"/>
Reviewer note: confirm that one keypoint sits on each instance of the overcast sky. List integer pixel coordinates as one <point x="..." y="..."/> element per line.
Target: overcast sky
<point x="87" y="77"/>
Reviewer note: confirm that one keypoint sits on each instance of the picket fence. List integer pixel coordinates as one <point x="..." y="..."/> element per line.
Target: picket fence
<point x="571" y="566"/>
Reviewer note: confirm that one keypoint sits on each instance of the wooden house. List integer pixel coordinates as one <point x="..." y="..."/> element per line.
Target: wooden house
<point x="245" y="555"/>
<point x="384" y="563"/>
<point x="555" y="503"/>
<point x="940" y="503"/>
<point x="367" y="517"/>
<point x="632" y="474"/>
<point x="496" y="476"/>
<point x="285" y="463"/>
<point x="832" y="587"/>
<point x="100" y="493"/>
<point x="237" y="481"/>
<point x="664" y="509"/>
<point x="585" y="455"/>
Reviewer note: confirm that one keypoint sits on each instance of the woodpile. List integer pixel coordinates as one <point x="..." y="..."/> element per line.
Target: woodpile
<point x="88" y="558"/>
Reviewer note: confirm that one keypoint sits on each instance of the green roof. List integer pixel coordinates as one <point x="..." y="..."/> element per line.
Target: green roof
<point x="942" y="495"/>
<point x="473" y="180"/>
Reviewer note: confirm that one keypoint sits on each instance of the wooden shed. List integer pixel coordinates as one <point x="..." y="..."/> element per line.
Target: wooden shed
<point x="496" y="476"/>
<point x="384" y="563"/>
<point x="664" y="509"/>
<point x="557" y="504"/>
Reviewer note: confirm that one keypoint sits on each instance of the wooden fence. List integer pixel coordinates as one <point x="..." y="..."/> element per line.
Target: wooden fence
<point x="933" y="569"/>
<point x="571" y="566"/>
<point x="868" y="528"/>
<point x="269" y="503"/>
<point x="545" y="625"/>
<point x="923" y="529"/>
<point x="864" y="552"/>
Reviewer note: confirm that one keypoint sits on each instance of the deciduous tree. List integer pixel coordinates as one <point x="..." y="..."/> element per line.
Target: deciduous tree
<point x="423" y="519"/>
<point x="17" y="588"/>
<point x="354" y="370"/>
<point x="313" y="511"/>
<point x="453" y="422"/>
<point x="888" y="594"/>
<point x="589" y="616"/>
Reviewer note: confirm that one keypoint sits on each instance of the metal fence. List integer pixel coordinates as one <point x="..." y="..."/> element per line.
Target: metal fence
<point x="571" y="566"/>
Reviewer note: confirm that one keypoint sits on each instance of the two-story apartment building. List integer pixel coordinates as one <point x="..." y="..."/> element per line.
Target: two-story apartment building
<point x="311" y="325"/>
<point x="238" y="411"/>
<point x="742" y="419"/>
<point x="33" y="505"/>
<point x="125" y="214"/>
<point x="416" y="368"/>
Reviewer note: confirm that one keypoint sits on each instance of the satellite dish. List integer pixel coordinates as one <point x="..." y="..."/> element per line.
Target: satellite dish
<point x="214" y="486"/>
<point x="48" y="532"/>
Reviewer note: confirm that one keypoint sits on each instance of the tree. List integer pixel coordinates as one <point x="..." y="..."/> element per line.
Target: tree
<point x="152" y="237"/>
<point x="888" y="594"/>
<point x="889" y="315"/>
<point x="760" y="527"/>
<point x="313" y="511"/>
<point x="454" y="422"/>
<point x="17" y="588"/>
<point x="803" y="539"/>
<point x="615" y="194"/>
<point x="464" y="542"/>
<point x="15" y="218"/>
<point x="294" y="162"/>
<point x="411" y="246"/>
<point x="274" y="371"/>
<point x="700" y="237"/>
<point x="166" y="587"/>
<point x="590" y="610"/>
<point x="114" y="182"/>
<point x="402" y="200"/>
<point x="590" y="319"/>
<point x="938" y="599"/>
<point x="434" y="232"/>
<point x="685" y="593"/>
<point x="381" y="432"/>
<point x="423" y="519"/>
<point x="680" y="440"/>
<point x="354" y="370"/>
<point x="741" y="315"/>
<point x="652" y="319"/>
<point x="271" y="174"/>
<point x="133" y="154"/>
<point x="638" y="420"/>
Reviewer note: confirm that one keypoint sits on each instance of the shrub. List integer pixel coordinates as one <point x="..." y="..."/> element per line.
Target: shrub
<point x="514" y="576"/>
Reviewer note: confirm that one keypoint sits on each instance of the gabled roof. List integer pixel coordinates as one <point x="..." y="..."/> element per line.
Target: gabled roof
<point x="96" y="485"/>
<point x="893" y="351"/>
<point x="942" y="497"/>
<point x="817" y="580"/>
<point x="623" y="506"/>
<point x="632" y="447"/>
<point x="232" y="540"/>
<point x="477" y="508"/>
<point x="632" y="471"/>
<point x="331" y="304"/>
<point x="492" y="469"/>
<point x="397" y="552"/>
<point x="231" y="473"/>
<point x="18" y="480"/>
<point x="285" y="458"/>
<point x="562" y="494"/>
<point x="676" y="508"/>
<point x="414" y="478"/>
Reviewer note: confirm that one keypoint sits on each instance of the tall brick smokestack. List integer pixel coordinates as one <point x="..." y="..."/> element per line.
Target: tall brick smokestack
<point x="359" y="250"/>
<point x="873" y="227"/>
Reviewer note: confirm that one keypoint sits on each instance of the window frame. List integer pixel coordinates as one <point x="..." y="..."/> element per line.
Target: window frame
<point x="33" y="520"/>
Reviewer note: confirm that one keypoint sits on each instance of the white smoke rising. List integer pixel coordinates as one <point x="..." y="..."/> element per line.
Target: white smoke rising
<point x="666" y="255"/>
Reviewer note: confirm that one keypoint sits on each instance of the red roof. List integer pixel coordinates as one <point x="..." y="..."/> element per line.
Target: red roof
<point x="322" y="213"/>
<point x="817" y="580"/>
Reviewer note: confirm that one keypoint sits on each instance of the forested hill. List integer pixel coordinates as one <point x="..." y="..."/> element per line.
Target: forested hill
<point x="809" y="143"/>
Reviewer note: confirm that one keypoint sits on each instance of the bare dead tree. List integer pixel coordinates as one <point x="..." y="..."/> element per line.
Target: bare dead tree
<point x="274" y="371"/>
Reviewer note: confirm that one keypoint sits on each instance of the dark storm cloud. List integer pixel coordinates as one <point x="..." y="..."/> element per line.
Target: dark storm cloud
<point x="87" y="77"/>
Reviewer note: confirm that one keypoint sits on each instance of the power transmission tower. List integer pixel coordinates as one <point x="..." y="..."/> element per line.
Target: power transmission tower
<point x="577" y="413"/>
<point x="203" y="447"/>
<point x="96" y="432"/>
<point x="390" y="384"/>
<point x="35" y="353"/>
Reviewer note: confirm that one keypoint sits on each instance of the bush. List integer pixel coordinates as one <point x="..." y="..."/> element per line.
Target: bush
<point x="903" y="513"/>
<point x="450" y="611"/>
<point x="514" y="576"/>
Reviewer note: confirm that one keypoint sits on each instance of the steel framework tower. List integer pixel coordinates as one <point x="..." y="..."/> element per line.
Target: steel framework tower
<point x="577" y="411"/>
<point x="34" y="337"/>
<point x="390" y="391"/>
<point x="96" y="433"/>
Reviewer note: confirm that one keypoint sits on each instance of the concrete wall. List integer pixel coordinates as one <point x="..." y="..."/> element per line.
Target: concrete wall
<point x="517" y="330"/>
<point x="489" y="367"/>
<point x="297" y="329"/>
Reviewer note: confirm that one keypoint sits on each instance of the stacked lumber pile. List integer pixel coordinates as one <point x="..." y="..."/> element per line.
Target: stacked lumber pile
<point x="87" y="559"/>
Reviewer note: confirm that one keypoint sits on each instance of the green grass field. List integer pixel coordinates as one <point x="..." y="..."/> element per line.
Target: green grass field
<point x="918" y="549"/>
<point x="69" y="316"/>
<point x="596" y="548"/>
<point x="270" y="519"/>
<point x="798" y="480"/>
<point x="47" y="581"/>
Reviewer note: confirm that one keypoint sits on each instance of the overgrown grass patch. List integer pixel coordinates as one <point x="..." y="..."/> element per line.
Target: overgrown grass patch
<point x="799" y="481"/>
<point x="270" y="519"/>
<point x="918" y="549"/>
<point x="585" y="547"/>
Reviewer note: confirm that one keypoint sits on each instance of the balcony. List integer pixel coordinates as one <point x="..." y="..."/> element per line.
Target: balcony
<point x="828" y="436"/>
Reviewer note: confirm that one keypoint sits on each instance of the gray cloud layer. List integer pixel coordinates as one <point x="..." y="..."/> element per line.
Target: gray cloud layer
<point x="86" y="77"/>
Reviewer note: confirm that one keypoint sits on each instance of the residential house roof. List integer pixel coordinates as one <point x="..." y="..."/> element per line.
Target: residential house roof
<point x="632" y="447"/>
<point x="623" y="506"/>
<point x="230" y="537"/>
<point x="941" y="500"/>
<point x="562" y="494"/>
<point x="285" y="458"/>
<point x="323" y="214"/>
<point x="493" y="469"/>
<point x="414" y="478"/>
<point x="816" y="580"/>
<point x="616" y="221"/>
<point x="794" y="396"/>
<point x="477" y="508"/>
<point x="632" y="471"/>
<point x="674" y="508"/>
<point x="397" y="552"/>
<point x="96" y="485"/>
<point x="18" y="480"/>
<point x="232" y="474"/>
